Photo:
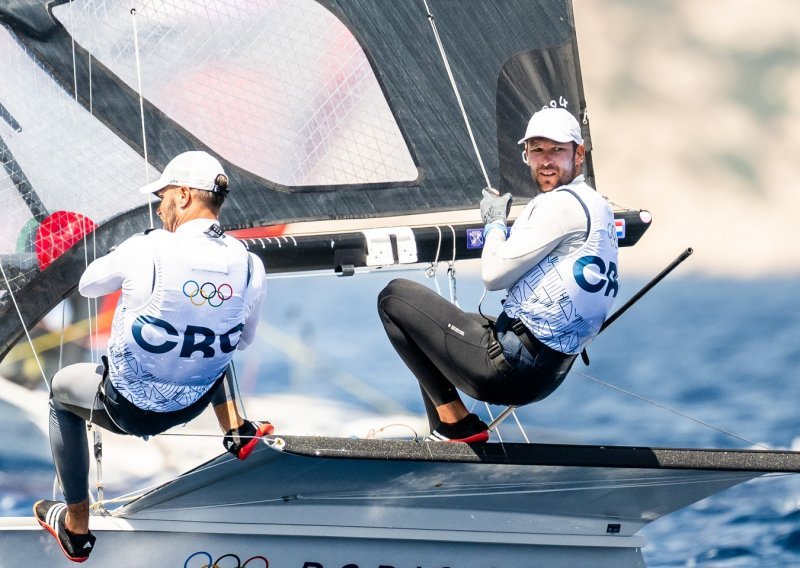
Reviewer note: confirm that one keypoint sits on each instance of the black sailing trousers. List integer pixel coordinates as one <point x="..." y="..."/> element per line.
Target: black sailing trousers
<point x="448" y="349"/>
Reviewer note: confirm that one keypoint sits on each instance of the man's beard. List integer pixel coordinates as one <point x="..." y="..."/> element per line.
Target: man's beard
<point x="168" y="215"/>
<point x="565" y="177"/>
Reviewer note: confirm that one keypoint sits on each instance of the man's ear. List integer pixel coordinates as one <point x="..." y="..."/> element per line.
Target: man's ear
<point x="184" y="196"/>
<point x="580" y="154"/>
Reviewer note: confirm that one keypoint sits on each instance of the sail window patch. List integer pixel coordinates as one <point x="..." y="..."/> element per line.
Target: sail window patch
<point x="281" y="89"/>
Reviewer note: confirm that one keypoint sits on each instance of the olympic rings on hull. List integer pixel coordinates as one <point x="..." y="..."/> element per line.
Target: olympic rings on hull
<point x="235" y="561"/>
<point x="209" y="292"/>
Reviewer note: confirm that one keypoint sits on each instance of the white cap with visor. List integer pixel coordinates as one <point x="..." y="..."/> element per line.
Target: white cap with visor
<point x="556" y="124"/>
<point x="195" y="169"/>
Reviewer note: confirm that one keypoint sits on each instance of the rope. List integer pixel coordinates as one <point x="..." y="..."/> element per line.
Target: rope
<point x="24" y="327"/>
<point x="61" y="338"/>
<point x="451" y="271"/>
<point x="88" y="300"/>
<point x="521" y="429"/>
<point x="84" y="220"/>
<point x="455" y="91"/>
<point x="238" y="394"/>
<point x="127" y="497"/>
<point x="97" y="434"/>
<point x="374" y="432"/>
<point x="672" y="410"/>
<point x="94" y="332"/>
<point x="141" y="109"/>
<point x="74" y="67"/>
<point x="430" y="272"/>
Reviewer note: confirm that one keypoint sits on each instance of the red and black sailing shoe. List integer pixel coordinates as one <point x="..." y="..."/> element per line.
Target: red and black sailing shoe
<point x="243" y="440"/>
<point x="469" y="429"/>
<point x="52" y="515"/>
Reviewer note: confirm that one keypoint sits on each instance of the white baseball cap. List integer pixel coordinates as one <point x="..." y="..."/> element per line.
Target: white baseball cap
<point x="195" y="169"/>
<point x="556" y="124"/>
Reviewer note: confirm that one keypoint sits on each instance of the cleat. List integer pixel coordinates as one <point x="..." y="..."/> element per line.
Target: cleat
<point x="52" y="516"/>
<point x="242" y="441"/>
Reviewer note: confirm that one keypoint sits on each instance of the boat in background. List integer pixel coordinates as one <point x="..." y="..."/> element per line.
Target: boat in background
<point x="347" y="151"/>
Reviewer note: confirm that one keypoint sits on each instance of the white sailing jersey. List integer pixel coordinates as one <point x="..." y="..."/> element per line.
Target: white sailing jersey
<point x="189" y="299"/>
<point x="564" y="299"/>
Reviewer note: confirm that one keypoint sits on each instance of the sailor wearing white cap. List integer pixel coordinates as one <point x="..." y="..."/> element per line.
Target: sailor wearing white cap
<point x="195" y="169"/>
<point x="191" y="296"/>
<point x="559" y="267"/>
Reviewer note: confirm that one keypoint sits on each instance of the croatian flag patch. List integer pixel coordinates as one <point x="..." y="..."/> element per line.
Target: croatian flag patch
<point x="619" y="224"/>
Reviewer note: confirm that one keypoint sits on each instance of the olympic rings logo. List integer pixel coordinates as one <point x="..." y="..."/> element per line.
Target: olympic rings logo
<point x="199" y="294"/>
<point x="235" y="561"/>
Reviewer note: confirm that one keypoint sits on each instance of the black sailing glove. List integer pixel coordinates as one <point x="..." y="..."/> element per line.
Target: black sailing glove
<point x="494" y="208"/>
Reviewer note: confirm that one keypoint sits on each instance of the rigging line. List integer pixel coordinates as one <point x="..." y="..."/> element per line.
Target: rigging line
<point x="621" y="206"/>
<point x="451" y="271"/>
<point x="270" y="442"/>
<point x="24" y="327"/>
<point x="452" y="230"/>
<point x="200" y="435"/>
<point x="494" y="423"/>
<point x="94" y="337"/>
<point x="88" y="300"/>
<point x="224" y="505"/>
<point x="235" y="380"/>
<point x="143" y="490"/>
<point x="672" y="410"/>
<point x="374" y="432"/>
<point x="61" y="339"/>
<point x="432" y="269"/>
<point x="57" y="488"/>
<point x="491" y="420"/>
<point x="389" y="269"/>
<point x="94" y="332"/>
<point x="455" y="91"/>
<point x="503" y="489"/>
<point x="480" y="303"/>
<point x="74" y="65"/>
<point x="141" y="109"/>
<point x="83" y="220"/>
<point x="469" y="491"/>
<point x="521" y="429"/>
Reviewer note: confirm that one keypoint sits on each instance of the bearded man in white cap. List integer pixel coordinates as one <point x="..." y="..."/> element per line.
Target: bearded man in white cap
<point x="190" y="297"/>
<point x="559" y="266"/>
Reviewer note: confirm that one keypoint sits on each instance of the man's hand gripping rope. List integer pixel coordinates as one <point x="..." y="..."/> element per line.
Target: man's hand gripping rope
<point x="494" y="210"/>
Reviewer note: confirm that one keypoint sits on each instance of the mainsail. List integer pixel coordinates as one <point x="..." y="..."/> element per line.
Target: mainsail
<point x="346" y="147"/>
<point x="330" y="115"/>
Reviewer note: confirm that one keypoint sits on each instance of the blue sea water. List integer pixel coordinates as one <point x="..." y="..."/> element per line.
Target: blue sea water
<point x="725" y="353"/>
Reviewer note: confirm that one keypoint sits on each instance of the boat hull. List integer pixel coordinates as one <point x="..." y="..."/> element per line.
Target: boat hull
<point x="194" y="545"/>
<point x="314" y="502"/>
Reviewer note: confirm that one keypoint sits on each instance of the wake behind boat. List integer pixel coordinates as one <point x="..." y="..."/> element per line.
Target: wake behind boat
<point x="348" y="152"/>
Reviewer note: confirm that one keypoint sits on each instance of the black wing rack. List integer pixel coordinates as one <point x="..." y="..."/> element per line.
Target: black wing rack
<point x="343" y="252"/>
